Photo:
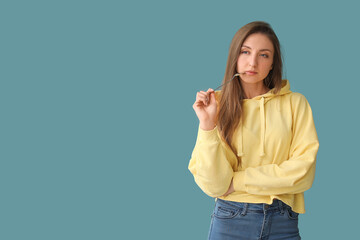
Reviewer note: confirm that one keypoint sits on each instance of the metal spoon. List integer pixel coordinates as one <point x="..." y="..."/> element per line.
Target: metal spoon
<point x="237" y="74"/>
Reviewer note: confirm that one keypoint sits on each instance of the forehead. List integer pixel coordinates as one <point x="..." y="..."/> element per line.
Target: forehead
<point x="258" y="41"/>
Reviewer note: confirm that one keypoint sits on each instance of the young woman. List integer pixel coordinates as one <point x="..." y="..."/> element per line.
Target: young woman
<point x="256" y="147"/>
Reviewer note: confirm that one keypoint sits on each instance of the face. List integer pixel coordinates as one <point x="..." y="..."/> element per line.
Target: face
<point x="255" y="59"/>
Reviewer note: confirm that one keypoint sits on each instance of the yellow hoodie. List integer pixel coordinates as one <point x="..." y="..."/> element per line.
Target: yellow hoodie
<point x="277" y="143"/>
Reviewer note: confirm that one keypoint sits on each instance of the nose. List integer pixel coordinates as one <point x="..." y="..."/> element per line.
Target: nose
<point x="253" y="61"/>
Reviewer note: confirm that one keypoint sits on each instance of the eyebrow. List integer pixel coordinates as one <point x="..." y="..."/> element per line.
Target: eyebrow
<point x="265" y="49"/>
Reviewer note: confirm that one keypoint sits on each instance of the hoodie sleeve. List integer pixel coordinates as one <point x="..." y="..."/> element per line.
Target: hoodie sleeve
<point x="209" y="163"/>
<point x="294" y="175"/>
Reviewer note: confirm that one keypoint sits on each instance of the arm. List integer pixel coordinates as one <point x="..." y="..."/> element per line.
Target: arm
<point x="210" y="164"/>
<point x="294" y="175"/>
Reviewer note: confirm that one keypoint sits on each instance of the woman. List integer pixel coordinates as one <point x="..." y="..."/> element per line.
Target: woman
<point x="256" y="147"/>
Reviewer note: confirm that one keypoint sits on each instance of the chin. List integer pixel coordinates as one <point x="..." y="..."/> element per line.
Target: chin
<point x="250" y="80"/>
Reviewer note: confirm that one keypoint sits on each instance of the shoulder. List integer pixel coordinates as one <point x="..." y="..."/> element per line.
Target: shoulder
<point x="297" y="98"/>
<point x="299" y="103"/>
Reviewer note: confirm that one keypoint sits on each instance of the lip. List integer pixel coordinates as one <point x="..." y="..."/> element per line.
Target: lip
<point x="250" y="72"/>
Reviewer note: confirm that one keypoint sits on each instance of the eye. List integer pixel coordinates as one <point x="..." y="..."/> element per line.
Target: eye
<point x="245" y="52"/>
<point x="264" y="55"/>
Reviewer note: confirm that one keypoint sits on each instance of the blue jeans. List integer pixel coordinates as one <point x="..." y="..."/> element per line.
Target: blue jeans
<point x="253" y="221"/>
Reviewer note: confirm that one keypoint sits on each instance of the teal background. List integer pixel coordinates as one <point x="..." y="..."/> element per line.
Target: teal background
<point x="97" y="125"/>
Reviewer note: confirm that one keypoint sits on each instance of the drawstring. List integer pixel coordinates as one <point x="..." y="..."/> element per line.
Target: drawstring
<point x="285" y="88"/>
<point x="240" y="150"/>
<point x="262" y="122"/>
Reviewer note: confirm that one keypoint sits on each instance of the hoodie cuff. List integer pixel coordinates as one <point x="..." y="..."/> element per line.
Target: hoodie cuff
<point x="238" y="181"/>
<point x="210" y="135"/>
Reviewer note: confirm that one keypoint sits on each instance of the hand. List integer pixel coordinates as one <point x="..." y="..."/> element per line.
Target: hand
<point x="205" y="108"/>
<point x="230" y="190"/>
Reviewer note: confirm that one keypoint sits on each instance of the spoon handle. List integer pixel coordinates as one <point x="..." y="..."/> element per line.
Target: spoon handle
<point x="237" y="74"/>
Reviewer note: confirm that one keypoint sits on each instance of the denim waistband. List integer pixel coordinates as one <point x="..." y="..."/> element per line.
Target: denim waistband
<point x="277" y="205"/>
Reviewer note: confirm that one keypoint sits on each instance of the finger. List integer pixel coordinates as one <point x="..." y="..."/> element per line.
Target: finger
<point x="212" y="97"/>
<point x="206" y="94"/>
<point x="200" y="102"/>
<point x="197" y="105"/>
<point x="202" y="93"/>
<point x="210" y="94"/>
<point x="202" y="96"/>
<point x="208" y="98"/>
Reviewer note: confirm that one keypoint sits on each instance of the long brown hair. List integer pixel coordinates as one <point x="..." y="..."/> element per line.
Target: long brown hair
<point x="230" y="109"/>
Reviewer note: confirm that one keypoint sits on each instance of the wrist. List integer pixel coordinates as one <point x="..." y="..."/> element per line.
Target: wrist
<point x="207" y="126"/>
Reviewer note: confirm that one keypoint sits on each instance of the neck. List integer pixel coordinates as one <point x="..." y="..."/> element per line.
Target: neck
<point x="253" y="90"/>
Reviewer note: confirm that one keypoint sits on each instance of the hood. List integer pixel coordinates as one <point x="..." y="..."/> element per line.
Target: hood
<point x="262" y="100"/>
<point x="285" y="89"/>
